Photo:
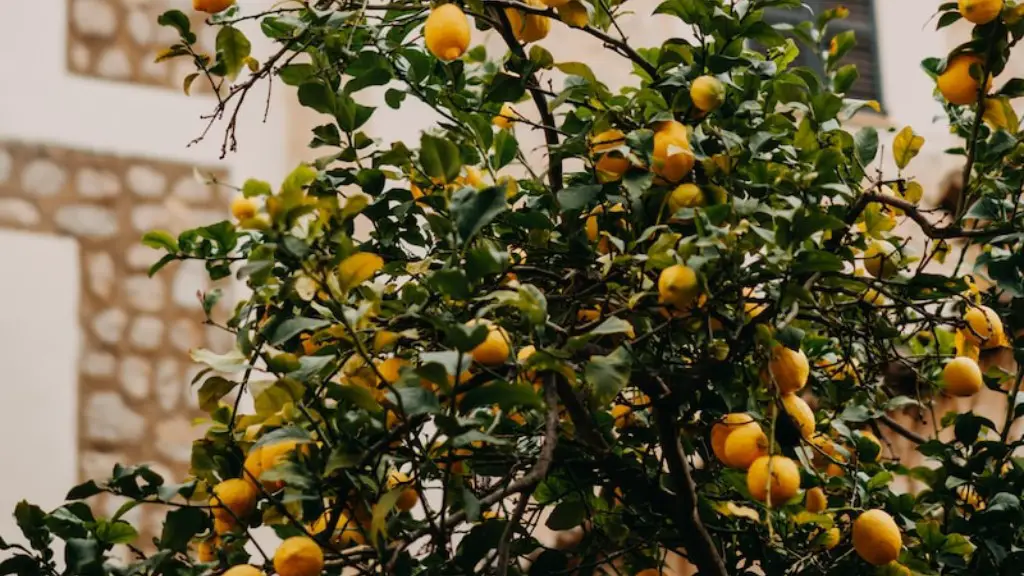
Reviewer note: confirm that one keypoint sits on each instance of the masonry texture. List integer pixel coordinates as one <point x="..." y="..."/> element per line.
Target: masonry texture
<point x="135" y="399"/>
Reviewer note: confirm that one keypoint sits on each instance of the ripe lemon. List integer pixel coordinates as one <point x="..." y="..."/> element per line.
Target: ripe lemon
<point x="677" y="286"/>
<point x="234" y="498"/>
<point x="623" y="416"/>
<point x="980" y="11"/>
<point x="610" y="165"/>
<point x="828" y="539"/>
<point x="494" y="350"/>
<point x="672" y="158"/>
<point x="253" y="465"/>
<point x="506" y="117"/>
<point x="707" y="93"/>
<point x="528" y="27"/>
<point x="962" y="377"/>
<point x="243" y="570"/>
<point x="409" y="497"/>
<point x="206" y="551"/>
<point x="212" y="6"/>
<point x="446" y="32"/>
<point x="985" y="328"/>
<point x="299" y="556"/>
<point x="801" y="414"/>
<point x="744" y="446"/>
<point x="815" y="500"/>
<point x="223" y="525"/>
<point x="722" y="429"/>
<point x="788" y="369"/>
<point x="834" y="470"/>
<point x="243" y="208"/>
<point x="956" y="83"/>
<point x="346" y="533"/>
<point x="574" y="13"/>
<point x="274" y="454"/>
<point x="876" y="537"/>
<point x="785" y="479"/>
<point x="685" y="196"/>
<point x="881" y="260"/>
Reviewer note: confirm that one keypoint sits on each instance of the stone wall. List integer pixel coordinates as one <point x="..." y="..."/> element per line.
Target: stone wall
<point x="135" y="401"/>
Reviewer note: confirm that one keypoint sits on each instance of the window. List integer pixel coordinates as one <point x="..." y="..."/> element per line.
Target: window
<point x="864" y="55"/>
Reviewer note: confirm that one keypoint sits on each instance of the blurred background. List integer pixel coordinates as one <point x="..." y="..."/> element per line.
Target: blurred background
<point x="95" y="150"/>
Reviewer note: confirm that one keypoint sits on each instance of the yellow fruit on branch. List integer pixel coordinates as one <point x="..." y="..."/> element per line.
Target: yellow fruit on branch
<point x="243" y="208"/>
<point x="828" y="539"/>
<point x="299" y="556"/>
<point x="876" y="537"/>
<point x="495" y="348"/>
<point x="956" y="83"/>
<point x="962" y="377"/>
<point x="788" y="369"/>
<point x="815" y="500"/>
<point x="622" y="416"/>
<point x="744" y="446"/>
<point x="409" y="497"/>
<point x="678" y="286"/>
<point x="707" y="93"/>
<point x="506" y="117"/>
<point x="347" y="532"/>
<point x="722" y="429"/>
<point x="206" y="551"/>
<point x="800" y="413"/>
<point x="611" y="164"/>
<point x="446" y="32"/>
<point x="273" y="454"/>
<point x="212" y="6"/>
<point x="784" y="481"/>
<point x="980" y="11"/>
<point x="685" y="196"/>
<point x="984" y="327"/>
<point x="223" y="525"/>
<point x="672" y="158"/>
<point x="528" y="27"/>
<point x="233" y="499"/>
<point x="574" y="13"/>
<point x="243" y="570"/>
<point x="592" y="227"/>
<point x="881" y="260"/>
<point x="253" y="466"/>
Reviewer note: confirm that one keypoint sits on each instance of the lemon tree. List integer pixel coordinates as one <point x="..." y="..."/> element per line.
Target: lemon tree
<point x="675" y="328"/>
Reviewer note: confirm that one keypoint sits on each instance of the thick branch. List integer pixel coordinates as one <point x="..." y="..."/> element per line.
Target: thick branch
<point x="699" y="544"/>
<point x="932" y="231"/>
<point x="899" y="429"/>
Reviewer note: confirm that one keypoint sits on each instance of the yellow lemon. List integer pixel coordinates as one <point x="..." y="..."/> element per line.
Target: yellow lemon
<point x="985" y="328"/>
<point x="206" y="551"/>
<point x="678" y="286"/>
<point x="672" y="158"/>
<point x="528" y="27"/>
<point x="554" y="3"/>
<point x="223" y="525"/>
<point x="212" y="6"/>
<point x="274" y="454"/>
<point x="744" y="446"/>
<point x="243" y="570"/>
<point x="956" y="83"/>
<point x="506" y="117"/>
<point x="299" y="556"/>
<point x="346" y="533"/>
<point x="494" y="350"/>
<point x="446" y="32"/>
<point x="243" y="208"/>
<point x="722" y="429"/>
<point x="409" y="497"/>
<point x="815" y="500"/>
<point x="962" y="377"/>
<point x="784" y="483"/>
<point x="876" y="537"/>
<point x="881" y="260"/>
<point x="610" y="165"/>
<point x="253" y="465"/>
<point x="234" y="498"/>
<point x="829" y="539"/>
<point x="980" y="11"/>
<point x="623" y="416"/>
<point x="574" y="13"/>
<point x="788" y="369"/>
<point x="800" y="412"/>
<point x="707" y="93"/>
<point x="685" y="196"/>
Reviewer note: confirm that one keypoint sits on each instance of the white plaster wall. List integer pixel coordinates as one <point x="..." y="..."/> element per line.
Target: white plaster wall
<point x="39" y="340"/>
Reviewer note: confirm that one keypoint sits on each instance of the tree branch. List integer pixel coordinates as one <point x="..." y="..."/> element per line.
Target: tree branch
<point x="699" y="544"/>
<point x="932" y="231"/>
<point x="899" y="429"/>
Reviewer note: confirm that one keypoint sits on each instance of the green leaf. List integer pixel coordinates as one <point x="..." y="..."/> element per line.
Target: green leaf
<point x="906" y="146"/>
<point x="414" y="401"/>
<point x="567" y="515"/>
<point x="254" y="187"/>
<point x="212" y="390"/>
<point x="233" y="361"/>
<point x="271" y="396"/>
<point x="359" y="396"/>
<point x="83" y="491"/>
<point x="119" y="532"/>
<point x="930" y="534"/>
<point x="472" y="209"/>
<point x="507" y="396"/>
<point x="316" y="95"/>
<point x="541" y="57"/>
<point x="296" y="74"/>
<point x="866" y="142"/>
<point x="817" y="261"/>
<point x="349" y="113"/>
<point x="576" y="198"/>
<point x="381" y="509"/>
<point x="22" y="565"/>
<point x="179" y="21"/>
<point x="845" y="78"/>
<point x="607" y="375"/>
<point x="180" y="526"/>
<point x="577" y="69"/>
<point x="295" y="326"/>
<point x="505" y="148"/>
<point x="232" y="49"/>
<point x="158" y="239"/>
<point x="282" y="434"/>
<point x="83" y="556"/>
<point x="440" y="158"/>
<point x="957" y="544"/>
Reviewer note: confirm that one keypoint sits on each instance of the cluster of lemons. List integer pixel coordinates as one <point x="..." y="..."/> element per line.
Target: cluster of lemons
<point x="958" y="85"/>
